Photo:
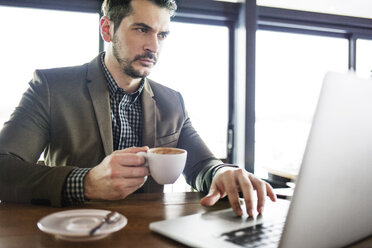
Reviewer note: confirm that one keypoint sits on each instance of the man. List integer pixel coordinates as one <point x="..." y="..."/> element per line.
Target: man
<point x="91" y="120"/>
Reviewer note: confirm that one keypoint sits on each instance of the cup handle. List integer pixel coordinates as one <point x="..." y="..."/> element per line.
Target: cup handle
<point x="143" y="154"/>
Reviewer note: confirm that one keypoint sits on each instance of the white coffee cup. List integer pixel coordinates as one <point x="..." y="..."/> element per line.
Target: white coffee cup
<point x="165" y="163"/>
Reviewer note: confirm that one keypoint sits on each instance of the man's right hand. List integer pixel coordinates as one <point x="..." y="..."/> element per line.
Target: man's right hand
<point x="117" y="176"/>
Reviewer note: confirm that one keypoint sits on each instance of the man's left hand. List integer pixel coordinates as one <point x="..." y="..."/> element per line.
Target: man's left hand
<point x="229" y="181"/>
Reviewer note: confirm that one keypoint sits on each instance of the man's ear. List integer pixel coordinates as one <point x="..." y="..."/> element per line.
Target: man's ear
<point x="106" y="28"/>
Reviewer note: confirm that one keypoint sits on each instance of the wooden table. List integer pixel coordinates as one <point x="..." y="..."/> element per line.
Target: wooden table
<point x="18" y="221"/>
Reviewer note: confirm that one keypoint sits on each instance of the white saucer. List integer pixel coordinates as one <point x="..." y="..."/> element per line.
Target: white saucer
<point x="74" y="225"/>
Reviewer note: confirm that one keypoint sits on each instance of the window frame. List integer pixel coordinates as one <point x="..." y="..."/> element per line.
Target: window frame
<point x="221" y="14"/>
<point x="302" y="22"/>
<point x="189" y="11"/>
<point x="235" y="16"/>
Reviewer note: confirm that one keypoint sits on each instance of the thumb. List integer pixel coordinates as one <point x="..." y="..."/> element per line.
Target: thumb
<point x="213" y="196"/>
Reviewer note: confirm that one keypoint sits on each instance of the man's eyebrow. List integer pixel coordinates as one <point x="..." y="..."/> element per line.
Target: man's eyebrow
<point x="144" y="25"/>
<point x="141" y="24"/>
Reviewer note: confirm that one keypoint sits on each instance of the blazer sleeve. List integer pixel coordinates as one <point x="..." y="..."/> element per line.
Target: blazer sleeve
<point x="200" y="162"/>
<point x="22" y="140"/>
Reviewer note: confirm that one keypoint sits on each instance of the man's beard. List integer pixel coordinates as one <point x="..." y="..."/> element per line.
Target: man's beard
<point x="126" y="64"/>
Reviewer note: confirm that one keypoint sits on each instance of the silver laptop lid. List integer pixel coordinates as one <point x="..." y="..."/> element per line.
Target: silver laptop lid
<point x="337" y="165"/>
<point x="332" y="203"/>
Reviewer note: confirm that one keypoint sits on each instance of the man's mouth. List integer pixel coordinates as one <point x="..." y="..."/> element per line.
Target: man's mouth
<point x="147" y="59"/>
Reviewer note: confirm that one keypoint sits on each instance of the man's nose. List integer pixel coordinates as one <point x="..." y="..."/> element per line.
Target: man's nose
<point x="152" y="44"/>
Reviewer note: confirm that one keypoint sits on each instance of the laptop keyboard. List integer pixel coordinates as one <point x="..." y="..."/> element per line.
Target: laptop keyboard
<point x="260" y="235"/>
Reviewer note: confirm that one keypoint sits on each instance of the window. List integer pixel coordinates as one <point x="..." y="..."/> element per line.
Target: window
<point x="194" y="61"/>
<point x="363" y="58"/>
<point x="41" y="39"/>
<point x="289" y="73"/>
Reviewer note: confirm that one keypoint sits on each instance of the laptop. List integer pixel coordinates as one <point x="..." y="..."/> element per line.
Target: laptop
<point x="332" y="202"/>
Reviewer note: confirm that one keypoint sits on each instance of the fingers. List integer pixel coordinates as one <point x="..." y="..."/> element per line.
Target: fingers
<point x="135" y="183"/>
<point x="127" y="165"/>
<point x="233" y="197"/>
<point x="132" y="149"/>
<point x="213" y="196"/>
<point x="121" y="188"/>
<point x="131" y="172"/>
<point x="263" y="189"/>
<point x="128" y="169"/>
<point x="125" y="159"/>
<point x="116" y="176"/>
<point x="247" y="190"/>
<point x="270" y="192"/>
<point x="232" y="192"/>
<point x="235" y="180"/>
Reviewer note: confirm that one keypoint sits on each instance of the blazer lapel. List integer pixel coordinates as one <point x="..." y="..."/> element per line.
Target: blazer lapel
<point x="149" y="111"/>
<point x="101" y="102"/>
<point x="148" y="116"/>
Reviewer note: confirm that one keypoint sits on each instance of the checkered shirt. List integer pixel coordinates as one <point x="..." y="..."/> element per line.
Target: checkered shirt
<point x="73" y="191"/>
<point x="126" y="113"/>
<point x="126" y="116"/>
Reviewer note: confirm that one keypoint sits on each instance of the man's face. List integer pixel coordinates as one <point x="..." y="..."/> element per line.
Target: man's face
<point x="137" y="42"/>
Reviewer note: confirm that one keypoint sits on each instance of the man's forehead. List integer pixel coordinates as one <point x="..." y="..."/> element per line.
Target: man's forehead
<point x="150" y="14"/>
<point x="148" y="7"/>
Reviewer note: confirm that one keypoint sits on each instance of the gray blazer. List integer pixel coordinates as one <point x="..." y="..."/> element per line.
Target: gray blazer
<point x="66" y="113"/>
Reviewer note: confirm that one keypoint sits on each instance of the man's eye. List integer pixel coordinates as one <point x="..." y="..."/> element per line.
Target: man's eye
<point x="163" y="35"/>
<point x="142" y="30"/>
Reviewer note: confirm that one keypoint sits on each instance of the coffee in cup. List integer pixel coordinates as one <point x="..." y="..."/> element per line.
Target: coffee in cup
<point x="165" y="163"/>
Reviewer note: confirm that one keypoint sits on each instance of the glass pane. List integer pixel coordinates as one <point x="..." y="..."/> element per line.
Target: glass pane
<point x="363" y="58"/>
<point x="194" y="61"/>
<point x="290" y="70"/>
<point x="41" y="39"/>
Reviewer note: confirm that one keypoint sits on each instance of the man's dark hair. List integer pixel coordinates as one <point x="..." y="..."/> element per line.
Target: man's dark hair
<point x="116" y="10"/>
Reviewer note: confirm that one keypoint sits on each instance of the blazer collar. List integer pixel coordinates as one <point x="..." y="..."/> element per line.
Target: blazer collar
<point x="98" y="91"/>
<point x="99" y="94"/>
<point x="148" y="115"/>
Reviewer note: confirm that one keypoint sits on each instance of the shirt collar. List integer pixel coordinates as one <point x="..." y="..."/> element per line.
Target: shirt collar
<point x="114" y="87"/>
